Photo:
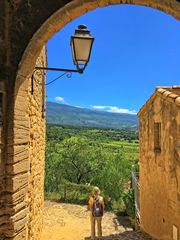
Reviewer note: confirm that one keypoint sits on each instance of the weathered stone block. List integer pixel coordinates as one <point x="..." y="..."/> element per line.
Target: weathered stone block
<point x="12" y="209"/>
<point x="21" y="236"/>
<point x="20" y="139"/>
<point x="19" y="215"/>
<point x="19" y="167"/>
<point x="177" y="100"/>
<point x="2" y="169"/>
<point x="17" y="153"/>
<point x="16" y="182"/>
<point x="17" y="197"/>
<point x="102" y="3"/>
<point x="3" y="219"/>
<point x="2" y="184"/>
<point x="15" y="228"/>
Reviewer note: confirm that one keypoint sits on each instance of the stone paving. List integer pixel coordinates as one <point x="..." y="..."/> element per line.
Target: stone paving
<point x="71" y="222"/>
<point x="129" y="235"/>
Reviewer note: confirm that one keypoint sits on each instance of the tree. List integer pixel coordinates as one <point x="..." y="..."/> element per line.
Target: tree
<point x="80" y="159"/>
<point x="114" y="176"/>
<point x="51" y="163"/>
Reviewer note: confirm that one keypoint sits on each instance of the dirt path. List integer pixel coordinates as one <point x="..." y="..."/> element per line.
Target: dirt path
<point x="71" y="222"/>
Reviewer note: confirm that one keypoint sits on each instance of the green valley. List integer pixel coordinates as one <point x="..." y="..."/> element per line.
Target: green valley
<point x="78" y="158"/>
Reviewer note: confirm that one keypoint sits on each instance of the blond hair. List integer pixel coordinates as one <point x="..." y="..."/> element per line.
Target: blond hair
<point x="96" y="189"/>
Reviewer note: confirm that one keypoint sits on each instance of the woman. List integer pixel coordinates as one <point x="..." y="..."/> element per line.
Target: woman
<point x="96" y="206"/>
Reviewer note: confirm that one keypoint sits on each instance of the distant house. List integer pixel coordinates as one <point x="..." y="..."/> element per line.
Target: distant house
<point x="159" y="126"/>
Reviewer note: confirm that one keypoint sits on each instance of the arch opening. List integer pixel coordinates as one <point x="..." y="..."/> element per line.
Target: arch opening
<point x="56" y="22"/>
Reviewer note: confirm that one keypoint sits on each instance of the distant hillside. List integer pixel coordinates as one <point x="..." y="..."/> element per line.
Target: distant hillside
<point x="70" y="115"/>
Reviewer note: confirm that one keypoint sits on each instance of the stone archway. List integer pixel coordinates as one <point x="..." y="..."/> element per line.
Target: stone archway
<point x="23" y="41"/>
<point x="72" y="10"/>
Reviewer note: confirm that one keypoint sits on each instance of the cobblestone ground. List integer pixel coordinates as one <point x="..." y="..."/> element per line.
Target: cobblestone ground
<point x="71" y="222"/>
<point x="133" y="235"/>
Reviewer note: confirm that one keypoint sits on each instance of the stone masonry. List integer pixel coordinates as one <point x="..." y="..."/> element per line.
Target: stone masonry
<point x="25" y="27"/>
<point x="36" y="112"/>
<point x="23" y="207"/>
<point x="160" y="165"/>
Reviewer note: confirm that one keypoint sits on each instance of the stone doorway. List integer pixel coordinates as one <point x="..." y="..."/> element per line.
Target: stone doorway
<point x="21" y="205"/>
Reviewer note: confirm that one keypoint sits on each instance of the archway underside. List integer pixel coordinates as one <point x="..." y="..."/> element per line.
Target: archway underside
<point x="23" y="40"/>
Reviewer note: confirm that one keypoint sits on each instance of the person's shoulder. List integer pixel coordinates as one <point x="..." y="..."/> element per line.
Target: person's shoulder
<point x="101" y="198"/>
<point x="91" y="198"/>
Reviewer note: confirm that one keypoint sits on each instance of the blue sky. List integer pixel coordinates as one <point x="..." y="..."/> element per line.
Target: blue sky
<point x="136" y="49"/>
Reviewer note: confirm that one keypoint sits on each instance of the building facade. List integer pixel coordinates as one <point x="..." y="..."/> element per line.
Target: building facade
<point x="159" y="127"/>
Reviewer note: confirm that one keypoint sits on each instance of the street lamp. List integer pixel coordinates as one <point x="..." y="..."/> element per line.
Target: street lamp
<point x="81" y="44"/>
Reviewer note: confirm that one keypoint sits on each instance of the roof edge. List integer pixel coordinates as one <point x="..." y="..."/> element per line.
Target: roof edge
<point x="164" y="92"/>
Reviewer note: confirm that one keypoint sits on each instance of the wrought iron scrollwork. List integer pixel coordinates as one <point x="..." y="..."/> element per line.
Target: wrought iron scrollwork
<point x="38" y="71"/>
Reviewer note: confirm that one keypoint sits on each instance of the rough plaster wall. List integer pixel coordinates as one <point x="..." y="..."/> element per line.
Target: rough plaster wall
<point x="160" y="172"/>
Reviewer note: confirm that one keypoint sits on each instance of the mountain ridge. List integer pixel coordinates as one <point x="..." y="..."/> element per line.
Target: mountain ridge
<point x="63" y="114"/>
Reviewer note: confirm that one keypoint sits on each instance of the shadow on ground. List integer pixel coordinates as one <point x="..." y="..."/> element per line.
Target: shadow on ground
<point x="128" y="235"/>
<point x="123" y="221"/>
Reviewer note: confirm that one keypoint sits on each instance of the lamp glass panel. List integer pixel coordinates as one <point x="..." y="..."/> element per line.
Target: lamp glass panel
<point x="82" y="48"/>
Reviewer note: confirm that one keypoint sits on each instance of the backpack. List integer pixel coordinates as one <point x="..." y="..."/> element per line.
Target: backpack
<point x="97" y="210"/>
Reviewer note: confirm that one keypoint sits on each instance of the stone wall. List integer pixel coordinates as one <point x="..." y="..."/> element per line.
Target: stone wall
<point x="36" y="112"/>
<point x="3" y="216"/>
<point x="24" y="176"/>
<point x="160" y="168"/>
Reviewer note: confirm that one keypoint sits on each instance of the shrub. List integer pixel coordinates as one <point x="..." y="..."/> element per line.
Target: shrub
<point x="129" y="203"/>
